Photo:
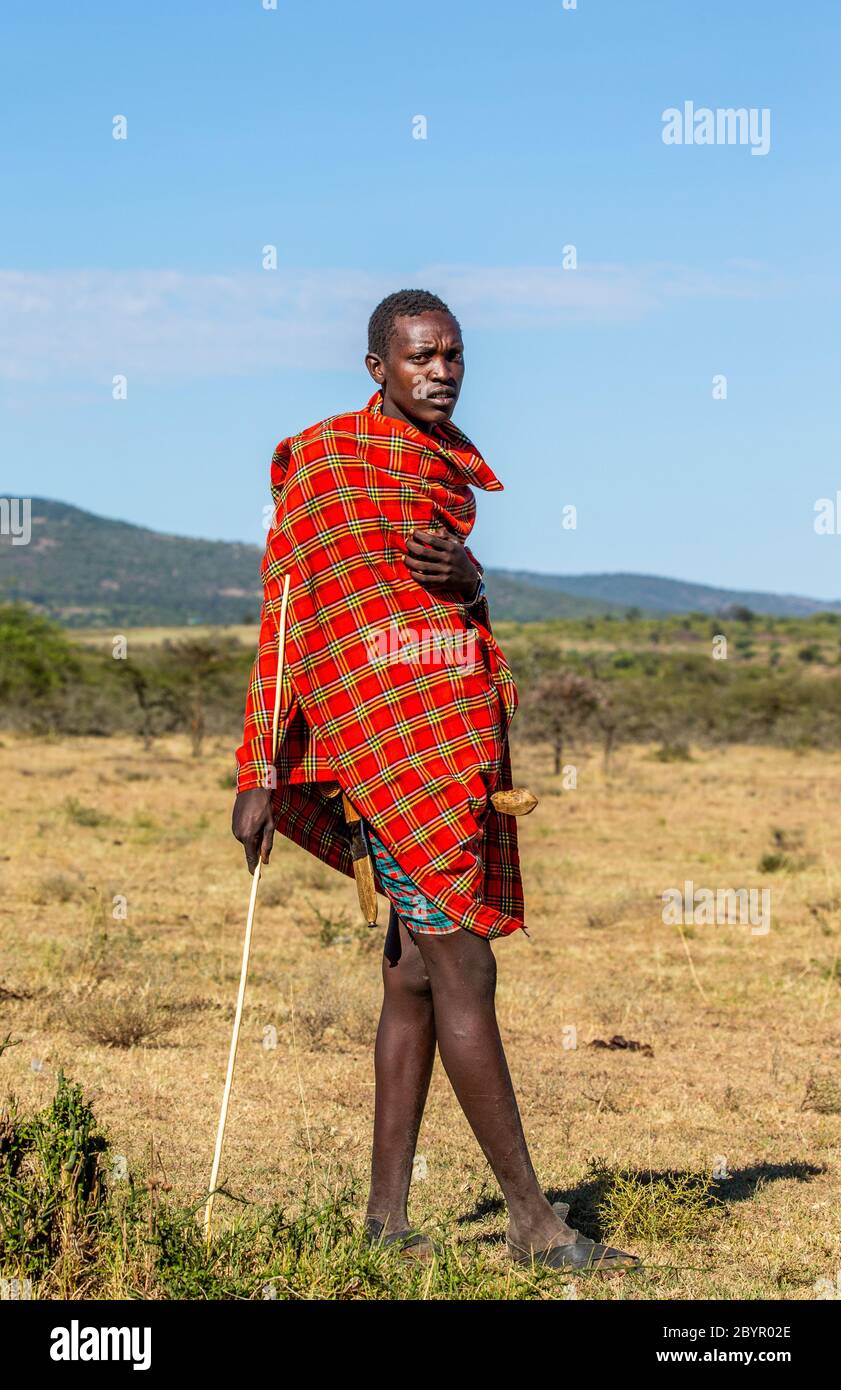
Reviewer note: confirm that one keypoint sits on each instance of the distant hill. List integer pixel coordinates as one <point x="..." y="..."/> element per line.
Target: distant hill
<point x="89" y="571"/>
<point x="652" y="594"/>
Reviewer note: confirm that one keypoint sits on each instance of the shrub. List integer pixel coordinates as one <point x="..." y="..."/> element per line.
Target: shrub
<point x="126" y="1017"/>
<point x="82" y="815"/>
<point x="656" y="1207"/>
<point x="823" y="1094"/>
<point x="51" y="1189"/>
<point x="59" y="888"/>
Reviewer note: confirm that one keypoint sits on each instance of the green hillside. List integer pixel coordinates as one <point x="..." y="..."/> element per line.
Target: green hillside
<point x="653" y="594"/>
<point x="89" y="571"/>
<point x="86" y="571"/>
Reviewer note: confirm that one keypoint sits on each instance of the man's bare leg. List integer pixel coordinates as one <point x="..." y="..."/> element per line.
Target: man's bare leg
<point x="403" y="1058"/>
<point x="462" y="972"/>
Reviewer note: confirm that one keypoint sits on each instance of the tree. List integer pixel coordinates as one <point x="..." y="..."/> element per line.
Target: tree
<point x="608" y="721"/>
<point x="38" y="667"/>
<point x="157" y="706"/>
<point x="559" y="705"/>
<point x="738" y="613"/>
<point x="198" y="667"/>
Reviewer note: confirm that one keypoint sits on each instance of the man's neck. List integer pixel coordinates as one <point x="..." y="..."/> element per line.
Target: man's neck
<point x="393" y="412"/>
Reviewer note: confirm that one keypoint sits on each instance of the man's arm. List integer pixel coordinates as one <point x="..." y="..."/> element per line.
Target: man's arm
<point x="478" y="608"/>
<point x="253" y="821"/>
<point x="439" y="560"/>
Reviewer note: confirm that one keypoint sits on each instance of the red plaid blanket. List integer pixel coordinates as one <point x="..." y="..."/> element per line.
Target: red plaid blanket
<point x="387" y="688"/>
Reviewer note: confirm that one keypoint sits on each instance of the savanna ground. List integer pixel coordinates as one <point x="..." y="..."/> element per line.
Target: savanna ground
<point x="712" y="1149"/>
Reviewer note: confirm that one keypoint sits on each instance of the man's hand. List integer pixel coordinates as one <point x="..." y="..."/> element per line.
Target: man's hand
<point x="253" y="825"/>
<point x="437" y="560"/>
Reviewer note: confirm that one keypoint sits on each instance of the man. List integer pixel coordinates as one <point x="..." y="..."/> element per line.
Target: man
<point x="372" y="511"/>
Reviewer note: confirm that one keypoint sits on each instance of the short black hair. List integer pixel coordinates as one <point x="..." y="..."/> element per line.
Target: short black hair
<point x="408" y="302"/>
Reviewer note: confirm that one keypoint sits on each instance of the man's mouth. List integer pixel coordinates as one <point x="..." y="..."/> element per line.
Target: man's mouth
<point x="442" y="394"/>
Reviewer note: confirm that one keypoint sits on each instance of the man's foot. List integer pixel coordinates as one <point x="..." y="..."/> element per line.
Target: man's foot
<point x="411" y="1244"/>
<point x="568" y="1249"/>
<point x="549" y="1229"/>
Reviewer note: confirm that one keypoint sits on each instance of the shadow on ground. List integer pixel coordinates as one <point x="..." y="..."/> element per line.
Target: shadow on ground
<point x="588" y="1196"/>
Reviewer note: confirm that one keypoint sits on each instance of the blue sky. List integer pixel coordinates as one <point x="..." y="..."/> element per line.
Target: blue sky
<point x="293" y="127"/>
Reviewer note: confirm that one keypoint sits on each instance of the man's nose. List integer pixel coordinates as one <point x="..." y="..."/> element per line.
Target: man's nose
<point x="439" y="369"/>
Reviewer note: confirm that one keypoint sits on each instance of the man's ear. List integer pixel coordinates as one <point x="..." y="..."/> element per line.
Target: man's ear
<point x="376" y="367"/>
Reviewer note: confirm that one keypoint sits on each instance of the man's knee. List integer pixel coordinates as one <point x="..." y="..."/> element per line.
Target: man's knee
<point x="409" y="976"/>
<point x="462" y="962"/>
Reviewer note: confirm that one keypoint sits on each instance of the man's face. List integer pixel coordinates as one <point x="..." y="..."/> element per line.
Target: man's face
<point x="423" y="369"/>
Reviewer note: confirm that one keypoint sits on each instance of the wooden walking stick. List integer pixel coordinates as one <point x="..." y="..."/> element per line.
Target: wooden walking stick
<point x="246" y="946"/>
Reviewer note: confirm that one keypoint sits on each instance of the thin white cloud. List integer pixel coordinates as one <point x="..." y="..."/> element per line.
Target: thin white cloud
<point x="86" y="326"/>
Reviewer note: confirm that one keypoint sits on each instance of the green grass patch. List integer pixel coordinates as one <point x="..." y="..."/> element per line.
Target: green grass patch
<point x="655" y="1208"/>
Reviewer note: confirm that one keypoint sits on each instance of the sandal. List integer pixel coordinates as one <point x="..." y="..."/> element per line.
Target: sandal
<point x="581" y="1254"/>
<point x="412" y="1244"/>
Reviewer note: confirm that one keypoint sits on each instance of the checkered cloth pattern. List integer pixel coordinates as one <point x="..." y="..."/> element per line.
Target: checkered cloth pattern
<point x="414" y="910"/>
<point x="417" y="738"/>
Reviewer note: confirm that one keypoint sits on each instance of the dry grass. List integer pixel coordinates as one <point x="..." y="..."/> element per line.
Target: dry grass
<point x="130" y="1017"/>
<point x="744" y="1029"/>
<point x="823" y="1094"/>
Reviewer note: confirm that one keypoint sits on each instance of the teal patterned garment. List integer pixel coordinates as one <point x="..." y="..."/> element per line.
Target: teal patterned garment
<point x="413" y="908"/>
